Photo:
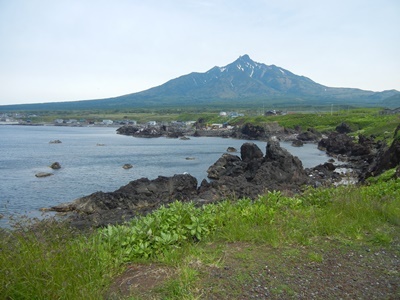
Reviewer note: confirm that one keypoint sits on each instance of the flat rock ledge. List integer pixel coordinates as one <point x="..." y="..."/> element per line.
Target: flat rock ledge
<point x="43" y="174"/>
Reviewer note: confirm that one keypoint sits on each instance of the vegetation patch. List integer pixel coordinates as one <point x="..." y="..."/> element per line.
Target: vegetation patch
<point x="329" y="243"/>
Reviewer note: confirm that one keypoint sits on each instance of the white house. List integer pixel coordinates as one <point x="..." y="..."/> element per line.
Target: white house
<point x="108" y="122"/>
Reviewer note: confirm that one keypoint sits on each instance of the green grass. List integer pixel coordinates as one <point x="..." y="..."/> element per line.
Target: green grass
<point x="366" y="121"/>
<point x="51" y="261"/>
<point x="361" y="121"/>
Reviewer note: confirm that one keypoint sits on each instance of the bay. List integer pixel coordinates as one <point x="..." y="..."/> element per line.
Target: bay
<point x="91" y="160"/>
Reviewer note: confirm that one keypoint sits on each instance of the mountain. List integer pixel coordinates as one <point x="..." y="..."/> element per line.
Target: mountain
<point x="242" y="83"/>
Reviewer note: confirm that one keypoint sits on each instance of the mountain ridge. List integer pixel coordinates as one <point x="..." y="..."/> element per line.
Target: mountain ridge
<point x="243" y="82"/>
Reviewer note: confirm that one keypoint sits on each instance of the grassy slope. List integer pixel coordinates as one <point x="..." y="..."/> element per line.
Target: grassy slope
<point x="216" y="251"/>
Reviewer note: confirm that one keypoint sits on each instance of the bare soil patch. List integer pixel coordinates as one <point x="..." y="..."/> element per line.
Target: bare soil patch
<point x="139" y="280"/>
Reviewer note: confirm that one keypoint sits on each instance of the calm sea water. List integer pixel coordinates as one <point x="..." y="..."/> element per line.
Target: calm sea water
<point x="91" y="160"/>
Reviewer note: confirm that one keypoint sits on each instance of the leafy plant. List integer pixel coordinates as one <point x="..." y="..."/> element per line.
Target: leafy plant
<point x="158" y="232"/>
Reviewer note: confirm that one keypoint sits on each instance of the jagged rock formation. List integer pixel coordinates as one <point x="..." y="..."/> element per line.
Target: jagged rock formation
<point x="387" y="158"/>
<point x="231" y="177"/>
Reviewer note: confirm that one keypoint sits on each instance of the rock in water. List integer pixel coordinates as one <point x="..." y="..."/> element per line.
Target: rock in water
<point x="297" y="143"/>
<point x="43" y="174"/>
<point x="55" y="166"/>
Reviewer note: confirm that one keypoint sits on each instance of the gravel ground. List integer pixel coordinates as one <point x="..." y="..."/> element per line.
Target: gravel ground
<point x="261" y="272"/>
<point x="301" y="273"/>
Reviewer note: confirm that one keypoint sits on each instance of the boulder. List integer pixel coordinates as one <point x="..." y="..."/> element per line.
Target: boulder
<point x="226" y="165"/>
<point x="55" y="166"/>
<point x="297" y="143"/>
<point x="250" y="151"/>
<point x="311" y="135"/>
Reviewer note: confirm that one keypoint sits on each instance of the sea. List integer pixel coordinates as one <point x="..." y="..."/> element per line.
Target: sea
<point x="91" y="160"/>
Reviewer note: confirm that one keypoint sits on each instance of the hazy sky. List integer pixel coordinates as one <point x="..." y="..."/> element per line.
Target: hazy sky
<point x="56" y="50"/>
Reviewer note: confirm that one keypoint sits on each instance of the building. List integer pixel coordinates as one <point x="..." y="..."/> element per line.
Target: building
<point x="107" y="122"/>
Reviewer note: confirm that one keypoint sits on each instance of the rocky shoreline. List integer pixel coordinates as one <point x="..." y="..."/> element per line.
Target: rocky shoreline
<point x="233" y="177"/>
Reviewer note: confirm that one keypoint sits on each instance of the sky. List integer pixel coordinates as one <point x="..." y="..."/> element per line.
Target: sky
<point x="68" y="50"/>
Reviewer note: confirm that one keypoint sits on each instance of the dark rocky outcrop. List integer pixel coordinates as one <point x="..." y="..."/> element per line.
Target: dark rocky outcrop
<point x="387" y="157"/>
<point x="366" y="156"/>
<point x="253" y="174"/>
<point x="232" y="177"/>
<point x="311" y="135"/>
<point x="138" y="194"/>
<point x="343" y="128"/>
<point x="137" y="197"/>
<point x="138" y="131"/>
<point x="247" y="131"/>
<point x="154" y="131"/>
<point x="337" y="143"/>
<point x="323" y="175"/>
<point x="251" y="132"/>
